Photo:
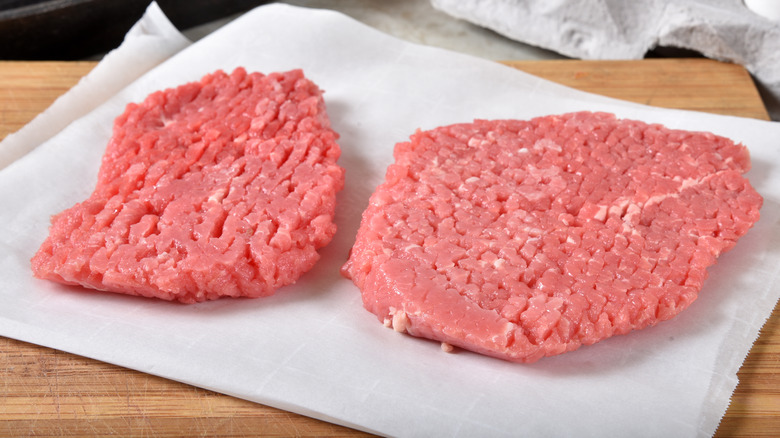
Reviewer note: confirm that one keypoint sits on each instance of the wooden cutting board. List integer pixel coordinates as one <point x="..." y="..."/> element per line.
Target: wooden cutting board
<point x="50" y="392"/>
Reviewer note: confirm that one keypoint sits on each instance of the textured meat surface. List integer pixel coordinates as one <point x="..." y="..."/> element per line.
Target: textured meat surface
<point x="222" y="187"/>
<point x="525" y="239"/>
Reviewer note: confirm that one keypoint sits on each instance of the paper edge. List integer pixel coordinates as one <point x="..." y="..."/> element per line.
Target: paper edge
<point x="732" y="363"/>
<point x="98" y="86"/>
<point x="324" y="417"/>
<point x="56" y="341"/>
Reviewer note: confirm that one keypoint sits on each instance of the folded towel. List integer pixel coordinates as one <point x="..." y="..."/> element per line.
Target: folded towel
<point x="615" y="29"/>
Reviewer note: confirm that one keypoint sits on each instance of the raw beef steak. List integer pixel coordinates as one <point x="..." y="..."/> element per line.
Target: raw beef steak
<point x="525" y="239"/>
<point x="223" y="187"/>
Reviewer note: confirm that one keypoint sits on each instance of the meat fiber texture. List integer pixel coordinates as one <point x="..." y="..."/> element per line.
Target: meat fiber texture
<point x="222" y="187"/>
<point x="526" y="239"/>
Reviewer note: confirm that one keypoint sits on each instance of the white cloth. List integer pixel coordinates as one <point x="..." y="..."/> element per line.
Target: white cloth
<point x="616" y="29"/>
<point x="312" y="348"/>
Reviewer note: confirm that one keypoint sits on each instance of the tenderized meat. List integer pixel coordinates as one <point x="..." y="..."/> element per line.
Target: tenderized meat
<point x="525" y="239"/>
<point x="222" y="187"/>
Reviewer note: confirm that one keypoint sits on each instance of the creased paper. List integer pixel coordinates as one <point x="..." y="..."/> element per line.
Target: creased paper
<point x="150" y="41"/>
<point x="312" y="348"/>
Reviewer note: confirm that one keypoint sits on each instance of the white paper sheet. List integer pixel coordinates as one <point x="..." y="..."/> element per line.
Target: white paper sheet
<point x="150" y="41"/>
<point x="312" y="348"/>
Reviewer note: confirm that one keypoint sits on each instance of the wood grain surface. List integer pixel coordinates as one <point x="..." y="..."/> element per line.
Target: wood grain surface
<point x="46" y="392"/>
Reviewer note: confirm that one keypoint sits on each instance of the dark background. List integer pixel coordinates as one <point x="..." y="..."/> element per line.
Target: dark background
<point x="78" y="29"/>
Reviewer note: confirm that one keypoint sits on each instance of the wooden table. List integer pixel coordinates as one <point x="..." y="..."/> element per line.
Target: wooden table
<point x="50" y="392"/>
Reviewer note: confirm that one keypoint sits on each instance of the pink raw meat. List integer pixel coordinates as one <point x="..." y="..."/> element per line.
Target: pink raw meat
<point x="223" y="187"/>
<point x="525" y="239"/>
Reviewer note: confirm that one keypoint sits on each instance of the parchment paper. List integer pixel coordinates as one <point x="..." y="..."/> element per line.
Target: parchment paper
<point x="312" y="348"/>
<point x="150" y="41"/>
